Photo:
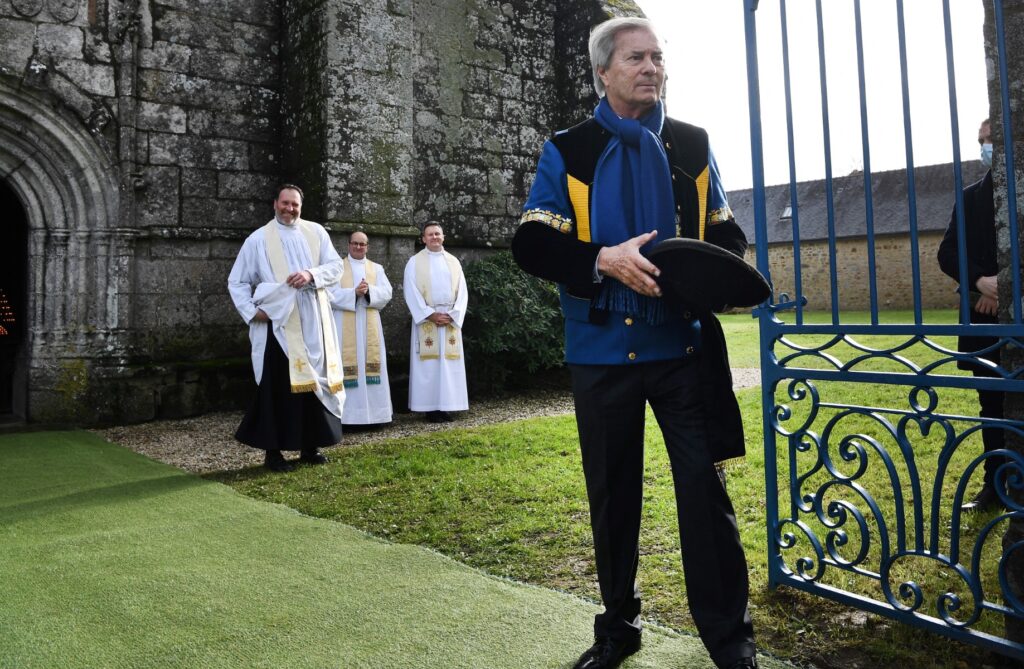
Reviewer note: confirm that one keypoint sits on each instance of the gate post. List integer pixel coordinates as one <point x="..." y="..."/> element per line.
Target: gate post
<point x="1004" y="47"/>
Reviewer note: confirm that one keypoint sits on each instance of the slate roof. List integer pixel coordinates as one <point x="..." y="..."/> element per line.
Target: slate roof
<point x="935" y="198"/>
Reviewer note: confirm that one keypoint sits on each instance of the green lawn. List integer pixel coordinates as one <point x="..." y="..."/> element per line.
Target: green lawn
<point x="109" y="560"/>
<point x="510" y="499"/>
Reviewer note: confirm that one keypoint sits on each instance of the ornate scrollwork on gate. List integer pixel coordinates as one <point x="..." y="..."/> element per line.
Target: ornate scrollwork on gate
<point x="901" y="528"/>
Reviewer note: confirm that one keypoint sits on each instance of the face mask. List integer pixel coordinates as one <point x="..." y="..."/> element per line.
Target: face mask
<point x="986" y="155"/>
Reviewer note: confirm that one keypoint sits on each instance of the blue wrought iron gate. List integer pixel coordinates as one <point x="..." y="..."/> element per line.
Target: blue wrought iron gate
<point x="872" y="435"/>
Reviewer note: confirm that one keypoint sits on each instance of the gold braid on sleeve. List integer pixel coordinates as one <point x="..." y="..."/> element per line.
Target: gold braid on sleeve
<point x="560" y="223"/>
<point x="720" y="215"/>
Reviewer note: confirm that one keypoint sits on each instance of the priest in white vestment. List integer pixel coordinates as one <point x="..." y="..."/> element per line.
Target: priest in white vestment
<point x="279" y="285"/>
<point x="363" y="291"/>
<point x="436" y="294"/>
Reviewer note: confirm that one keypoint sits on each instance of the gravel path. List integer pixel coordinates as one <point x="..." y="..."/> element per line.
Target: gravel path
<point x="206" y="443"/>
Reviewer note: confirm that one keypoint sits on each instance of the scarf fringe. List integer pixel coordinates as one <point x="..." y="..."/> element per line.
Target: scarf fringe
<point x="615" y="296"/>
<point x="351" y="383"/>
<point x="373" y="380"/>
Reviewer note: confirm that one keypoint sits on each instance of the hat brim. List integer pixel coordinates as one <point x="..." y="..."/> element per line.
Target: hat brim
<point x="707" y="277"/>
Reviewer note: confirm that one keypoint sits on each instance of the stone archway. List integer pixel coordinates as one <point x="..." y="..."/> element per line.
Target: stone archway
<point x="78" y="257"/>
<point x="13" y="325"/>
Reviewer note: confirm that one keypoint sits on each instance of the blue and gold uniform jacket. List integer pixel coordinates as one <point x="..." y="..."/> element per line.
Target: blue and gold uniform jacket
<point x="553" y="242"/>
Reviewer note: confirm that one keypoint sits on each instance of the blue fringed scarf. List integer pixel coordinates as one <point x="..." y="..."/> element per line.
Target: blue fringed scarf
<point x="632" y="195"/>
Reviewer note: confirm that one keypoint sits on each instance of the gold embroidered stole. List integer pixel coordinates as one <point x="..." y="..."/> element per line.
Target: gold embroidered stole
<point x="301" y="374"/>
<point x="430" y="334"/>
<point x="349" y="355"/>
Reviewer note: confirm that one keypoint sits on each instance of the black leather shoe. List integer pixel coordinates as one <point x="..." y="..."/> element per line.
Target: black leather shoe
<point x="444" y="417"/>
<point x="275" y="462"/>
<point x="607" y="653"/>
<point x="743" y="663"/>
<point x="986" y="500"/>
<point x="313" y="457"/>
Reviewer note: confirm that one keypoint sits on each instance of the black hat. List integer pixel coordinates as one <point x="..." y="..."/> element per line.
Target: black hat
<point x="706" y="277"/>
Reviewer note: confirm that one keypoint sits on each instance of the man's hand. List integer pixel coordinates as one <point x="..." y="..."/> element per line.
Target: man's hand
<point x="986" y="305"/>
<point x="439" y="319"/>
<point x="988" y="286"/>
<point x="363" y="288"/>
<point x="299" y="279"/>
<point x="261" y="316"/>
<point x="624" y="262"/>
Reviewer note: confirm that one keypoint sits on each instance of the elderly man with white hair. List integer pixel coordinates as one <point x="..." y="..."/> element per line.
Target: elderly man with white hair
<point x="605" y="191"/>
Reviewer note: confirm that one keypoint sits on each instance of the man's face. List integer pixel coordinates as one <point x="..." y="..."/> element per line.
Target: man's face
<point x="636" y="74"/>
<point x="288" y="205"/>
<point x="433" y="237"/>
<point x="985" y="133"/>
<point x="358" y="243"/>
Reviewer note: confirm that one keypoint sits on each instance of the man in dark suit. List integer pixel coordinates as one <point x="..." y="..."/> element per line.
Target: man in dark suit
<point x="604" y="191"/>
<point x="982" y="271"/>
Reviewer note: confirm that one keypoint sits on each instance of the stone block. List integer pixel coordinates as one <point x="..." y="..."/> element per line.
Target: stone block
<point x="165" y="56"/>
<point x="400" y="7"/>
<point x="465" y="179"/>
<point x="489" y="205"/>
<point x="226" y="249"/>
<point x="179" y="249"/>
<point x="387" y="209"/>
<point x="142" y="147"/>
<point x="343" y="206"/>
<point x="191" y="91"/>
<point x="198" y="183"/>
<point x="476" y="105"/>
<point x="59" y="41"/>
<point x="158" y="202"/>
<point x="236" y="214"/>
<point x="245" y="39"/>
<point x="188" y="151"/>
<point x="233" y="67"/>
<point x="261" y="12"/>
<point x="161" y="117"/>
<point x="245" y="185"/>
<point x="233" y="125"/>
<point x="16" y="45"/>
<point x="531" y="140"/>
<point x="505" y="84"/>
<point x="218" y="310"/>
<point x="264" y="158"/>
<point x="95" y="49"/>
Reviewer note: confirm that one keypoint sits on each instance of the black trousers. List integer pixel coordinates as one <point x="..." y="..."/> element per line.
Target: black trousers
<point x="993" y="438"/>
<point x="610" y="410"/>
<point x="280" y="420"/>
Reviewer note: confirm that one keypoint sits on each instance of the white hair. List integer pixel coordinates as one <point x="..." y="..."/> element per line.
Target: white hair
<point x="602" y="43"/>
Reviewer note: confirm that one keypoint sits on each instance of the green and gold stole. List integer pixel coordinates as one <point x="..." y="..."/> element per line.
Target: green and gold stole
<point x="349" y="355"/>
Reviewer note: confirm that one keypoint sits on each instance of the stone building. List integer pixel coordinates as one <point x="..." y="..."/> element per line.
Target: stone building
<point x="935" y="195"/>
<point x="140" y="142"/>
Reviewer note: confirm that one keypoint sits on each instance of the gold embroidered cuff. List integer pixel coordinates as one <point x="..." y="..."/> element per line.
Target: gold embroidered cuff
<point x="560" y="223"/>
<point x="720" y="215"/>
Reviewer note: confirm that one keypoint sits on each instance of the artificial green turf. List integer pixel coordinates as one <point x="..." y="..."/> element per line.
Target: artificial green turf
<point x="108" y="559"/>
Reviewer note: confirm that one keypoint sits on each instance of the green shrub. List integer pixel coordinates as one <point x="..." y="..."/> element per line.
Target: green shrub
<point x="513" y="329"/>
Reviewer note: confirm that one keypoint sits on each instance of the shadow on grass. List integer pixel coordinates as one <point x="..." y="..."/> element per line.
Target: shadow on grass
<point x="121" y="493"/>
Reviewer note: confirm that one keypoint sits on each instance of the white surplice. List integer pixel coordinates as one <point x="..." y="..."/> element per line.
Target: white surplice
<point x="365" y="404"/>
<point x="438" y="384"/>
<point x="253" y="286"/>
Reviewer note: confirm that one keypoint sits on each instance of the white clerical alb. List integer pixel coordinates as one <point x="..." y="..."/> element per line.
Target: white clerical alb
<point x="367" y="393"/>
<point x="437" y="382"/>
<point x="253" y="285"/>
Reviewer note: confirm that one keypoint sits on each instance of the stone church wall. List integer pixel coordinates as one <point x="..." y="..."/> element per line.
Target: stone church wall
<point x="164" y="125"/>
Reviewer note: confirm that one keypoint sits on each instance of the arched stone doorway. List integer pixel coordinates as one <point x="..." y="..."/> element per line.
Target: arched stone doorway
<point x="13" y="303"/>
<point x="77" y="255"/>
